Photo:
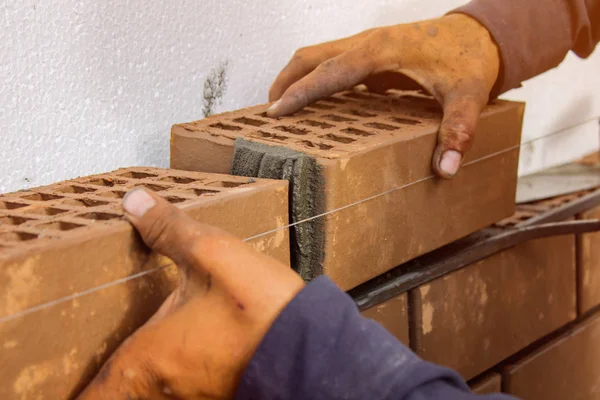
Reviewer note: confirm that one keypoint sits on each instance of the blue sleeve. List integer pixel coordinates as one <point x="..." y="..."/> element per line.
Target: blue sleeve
<point x="321" y="348"/>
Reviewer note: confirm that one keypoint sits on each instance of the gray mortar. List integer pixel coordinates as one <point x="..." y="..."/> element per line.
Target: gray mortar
<point x="304" y="174"/>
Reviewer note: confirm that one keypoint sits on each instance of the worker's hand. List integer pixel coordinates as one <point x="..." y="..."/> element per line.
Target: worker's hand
<point x="452" y="57"/>
<point x="199" y="342"/>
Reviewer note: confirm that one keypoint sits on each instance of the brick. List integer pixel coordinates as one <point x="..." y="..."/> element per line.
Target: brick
<point x="476" y="317"/>
<point x="489" y="384"/>
<point x="71" y="238"/>
<point x="588" y="282"/>
<point x="392" y="315"/>
<point x="368" y="144"/>
<point x="565" y="368"/>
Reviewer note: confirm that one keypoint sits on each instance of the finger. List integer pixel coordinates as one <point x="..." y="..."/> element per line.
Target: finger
<point x="212" y="254"/>
<point x="169" y="231"/>
<point x="305" y="60"/>
<point x="163" y="227"/>
<point x="461" y="114"/>
<point x="335" y="75"/>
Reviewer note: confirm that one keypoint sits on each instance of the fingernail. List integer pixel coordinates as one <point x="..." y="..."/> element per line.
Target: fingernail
<point x="275" y="105"/>
<point x="137" y="202"/>
<point x="450" y="162"/>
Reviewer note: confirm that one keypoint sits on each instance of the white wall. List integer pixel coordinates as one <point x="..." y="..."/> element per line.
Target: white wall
<point x="93" y="85"/>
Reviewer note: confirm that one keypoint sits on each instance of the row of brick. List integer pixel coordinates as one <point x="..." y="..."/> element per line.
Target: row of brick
<point x="564" y="367"/>
<point x="476" y="318"/>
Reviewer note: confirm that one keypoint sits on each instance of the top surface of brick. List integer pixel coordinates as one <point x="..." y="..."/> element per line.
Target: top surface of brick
<point x="43" y="216"/>
<point x="345" y="123"/>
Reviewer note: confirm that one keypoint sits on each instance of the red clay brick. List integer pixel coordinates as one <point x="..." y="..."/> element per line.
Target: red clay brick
<point x="588" y="282"/>
<point x="71" y="237"/>
<point x="368" y="144"/>
<point x="474" y="318"/>
<point x="392" y="315"/>
<point x="566" y="368"/>
<point x="489" y="384"/>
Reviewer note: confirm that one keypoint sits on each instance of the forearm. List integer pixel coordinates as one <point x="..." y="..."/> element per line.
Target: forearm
<point x="321" y="348"/>
<point x="534" y="36"/>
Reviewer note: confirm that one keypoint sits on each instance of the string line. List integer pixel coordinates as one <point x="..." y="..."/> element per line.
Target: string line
<point x="138" y="275"/>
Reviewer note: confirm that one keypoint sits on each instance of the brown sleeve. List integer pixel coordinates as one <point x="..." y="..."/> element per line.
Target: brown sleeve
<point x="534" y="36"/>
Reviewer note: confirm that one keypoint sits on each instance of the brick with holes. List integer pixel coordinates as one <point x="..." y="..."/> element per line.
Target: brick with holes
<point x="70" y="238"/>
<point x="367" y="144"/>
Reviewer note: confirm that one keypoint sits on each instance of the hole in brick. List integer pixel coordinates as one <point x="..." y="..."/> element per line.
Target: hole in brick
<point x="293" y="130"/>
<point x="418" y="99"/>
<point x="302" y="112"/>
<point x="249" y="121"/>
<point x="175" y="199"/>
<point x="333" y="100"/>
<point x="138" y="175"/>
<point x="377" y="107"/>
<point x="179" y="179"/>
<point x="340" y="139"/>
<point x="264" y="115"/>
<point x="9" y="205"/>
<point x="18" y="236"/>
<point x="42" y="197"/>
<point x="357" y="96"/>
<point x="310" y="144"/>
<point x="99" y="216"/>
<point x="338" y="118"/>
<point x="434" y="109"/>
<point x="226" y="184"/>
<point x="108" y="182"/>
<point x="318" y="124"/>
<point x="75" y="189"/>
<point x="204" y="192"/>
<point x="226" y="127"/>
<point x="115" y="194"/>
<point x="60" y="226"/>
<point x="46" y="211"/>
<point x="359" y="113"/>
<point x="405" y="121"/>
<point x="384" y="127"/>
<point x="14" y="220"/>
<point x="264" y="134"/>
<point x="85" y="202"/>
<point x="320" y="106"/>
<point x="357" y="132"/>
<point x="154" y="188"/>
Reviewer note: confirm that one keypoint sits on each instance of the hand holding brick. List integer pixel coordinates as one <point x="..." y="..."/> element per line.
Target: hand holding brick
<point x="205" y="333"/>
<point x="454" y="58"/>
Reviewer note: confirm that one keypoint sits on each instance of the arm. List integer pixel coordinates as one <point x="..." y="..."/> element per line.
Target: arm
<point x="332" y="352"/>
<point x="535" y="36"/>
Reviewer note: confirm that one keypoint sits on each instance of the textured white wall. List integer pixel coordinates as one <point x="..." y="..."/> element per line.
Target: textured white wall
<point x="93" y="85"/>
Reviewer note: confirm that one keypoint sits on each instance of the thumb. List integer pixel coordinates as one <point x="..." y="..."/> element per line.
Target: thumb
<point x="170" y="232"/>
<point x="461" y="114"/>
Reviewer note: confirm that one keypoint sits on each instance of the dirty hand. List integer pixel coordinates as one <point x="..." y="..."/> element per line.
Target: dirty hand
<point x="453" y="57"/>
<point x="199" y="342"/>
